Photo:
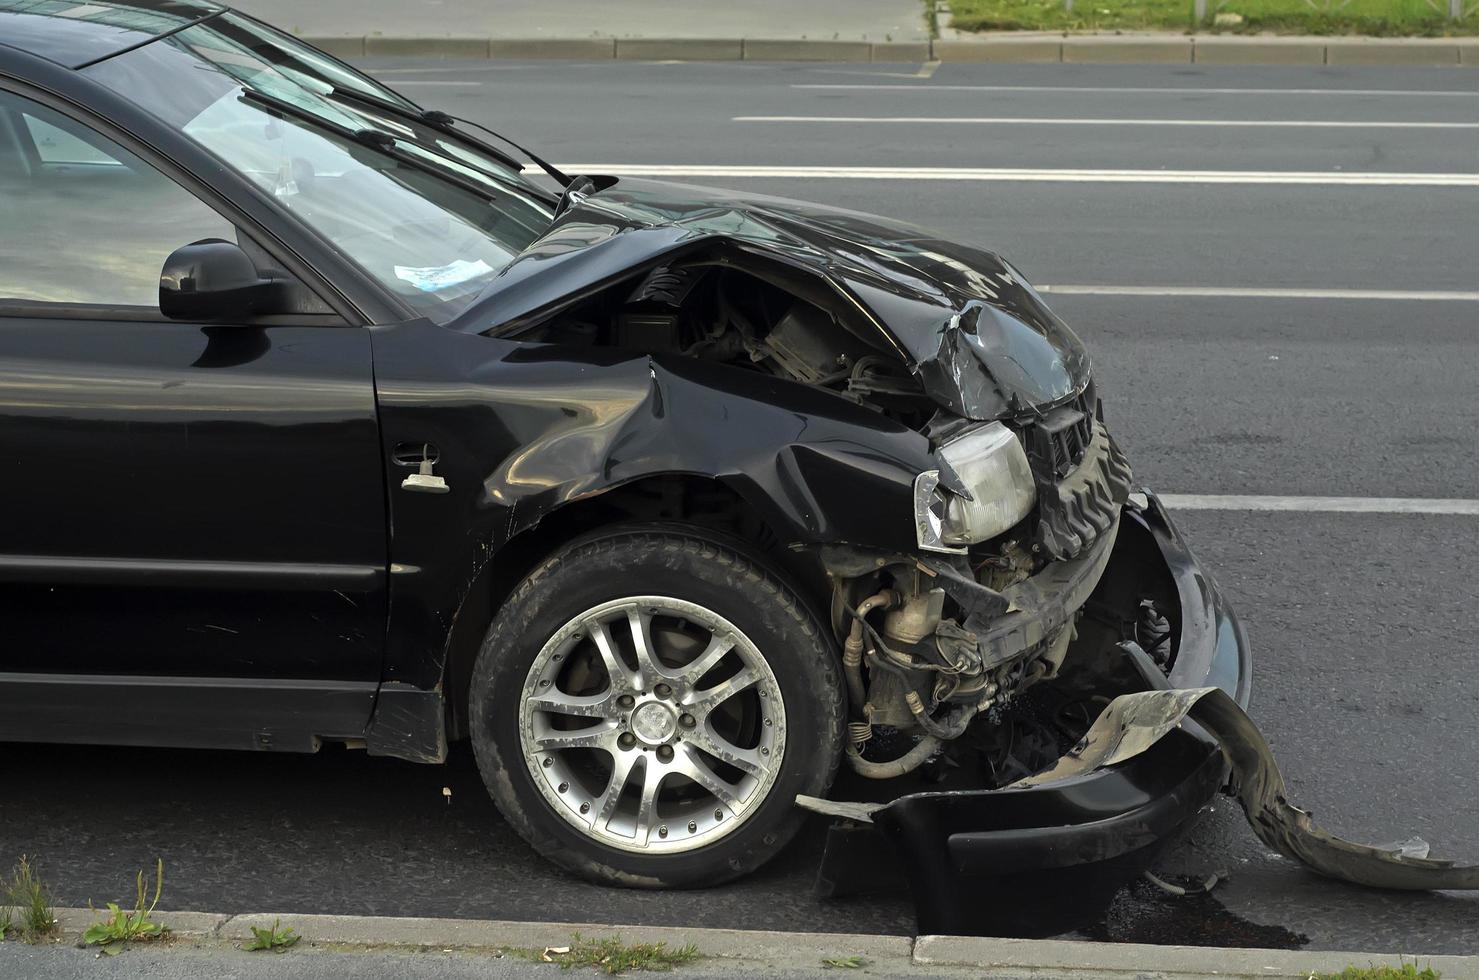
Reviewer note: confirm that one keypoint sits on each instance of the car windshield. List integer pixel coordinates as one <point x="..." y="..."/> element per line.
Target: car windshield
<point x="432" y="218"/>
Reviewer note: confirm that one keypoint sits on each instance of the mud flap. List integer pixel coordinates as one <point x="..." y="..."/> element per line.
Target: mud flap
<point x="1132" y="723"/>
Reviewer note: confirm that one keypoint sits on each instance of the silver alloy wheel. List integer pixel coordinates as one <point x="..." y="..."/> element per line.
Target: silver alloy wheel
<point x="652" y="724"/>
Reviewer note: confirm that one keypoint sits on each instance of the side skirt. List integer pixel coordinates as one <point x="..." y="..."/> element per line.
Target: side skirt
<point x="183" y="712"/>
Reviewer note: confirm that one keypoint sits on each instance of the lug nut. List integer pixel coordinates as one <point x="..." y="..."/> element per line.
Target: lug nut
<point x="626" y="740"/>
<point x="718" y="814"/>
<point x="687" y="721"/>
<point x="662" y="691"/>
<point x="564" y="786"/>
<point x="662" y="831"/>
<point x="585" y="808"/>
<point x="548" y="762"/>
<point x="626" y="701"/>
<point x="692" y="826"/>
<point x="665" y="753"/>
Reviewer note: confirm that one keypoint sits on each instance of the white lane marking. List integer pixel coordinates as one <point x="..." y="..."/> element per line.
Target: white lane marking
<point x="896" y="87"/>
<point x="1253" y="292"/>
<point x="1032" y="175"/>
<point x="1051" y="121"/>
<point x="1322" y="505"/>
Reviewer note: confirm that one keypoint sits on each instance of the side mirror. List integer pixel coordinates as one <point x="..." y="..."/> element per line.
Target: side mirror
<point x="214" y="279"/>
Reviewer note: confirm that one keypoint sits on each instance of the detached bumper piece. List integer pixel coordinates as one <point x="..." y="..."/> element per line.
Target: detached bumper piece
<point x="1046" y="852"/>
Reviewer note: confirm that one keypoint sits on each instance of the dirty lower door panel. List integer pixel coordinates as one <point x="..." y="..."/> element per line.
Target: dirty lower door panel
<point x="194" y="550"/>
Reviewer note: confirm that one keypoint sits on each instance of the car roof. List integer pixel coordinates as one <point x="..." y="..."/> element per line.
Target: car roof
<point x="75" y="33"/>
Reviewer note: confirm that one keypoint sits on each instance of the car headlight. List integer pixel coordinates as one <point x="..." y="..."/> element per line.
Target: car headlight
<point x="993" y="468"/>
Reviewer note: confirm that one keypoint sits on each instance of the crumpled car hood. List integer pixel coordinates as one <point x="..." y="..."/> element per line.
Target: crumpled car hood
<point x="979" y="337"/>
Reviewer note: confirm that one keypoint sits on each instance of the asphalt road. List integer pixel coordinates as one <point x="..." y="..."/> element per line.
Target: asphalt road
<point x="1365" y="627"/>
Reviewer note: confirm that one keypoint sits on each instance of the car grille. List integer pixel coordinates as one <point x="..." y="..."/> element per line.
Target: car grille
<point x="1056" y="443"/>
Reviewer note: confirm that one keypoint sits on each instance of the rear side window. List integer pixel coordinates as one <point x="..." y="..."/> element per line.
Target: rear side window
<point x="82" y="220"/>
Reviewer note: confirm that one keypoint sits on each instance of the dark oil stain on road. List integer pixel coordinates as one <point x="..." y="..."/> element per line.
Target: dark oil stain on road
<point x="1143" y="913"/>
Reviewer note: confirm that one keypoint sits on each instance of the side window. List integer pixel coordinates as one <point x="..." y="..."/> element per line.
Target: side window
<point x="54" y="145"/>
<point x="82" y="220"/>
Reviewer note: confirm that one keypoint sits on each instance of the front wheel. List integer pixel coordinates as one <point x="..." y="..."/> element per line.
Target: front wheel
<point x="649" y="703"/>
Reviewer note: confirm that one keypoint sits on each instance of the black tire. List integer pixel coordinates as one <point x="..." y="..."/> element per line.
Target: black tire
<point x="685" y="564"/>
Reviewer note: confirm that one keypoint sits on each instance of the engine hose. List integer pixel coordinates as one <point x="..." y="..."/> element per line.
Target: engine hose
<point x="852" y="648"/>
<point x="903" y="765"/>
<point x="944" y="730"/>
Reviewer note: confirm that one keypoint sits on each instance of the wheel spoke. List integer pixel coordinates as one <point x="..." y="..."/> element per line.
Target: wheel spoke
<point x="648" y="666"/>
<point x="557" y="702"/>
<point x="719" y="645"/>
<point x="594" y="737"/>
<point x="750" y="761"/>
<point x="700" y="703"/>
<point x="621" y="772"/>
<point x="652" y="777"/>
<point x="621" y="675"/>
<point x="695" y="767"/>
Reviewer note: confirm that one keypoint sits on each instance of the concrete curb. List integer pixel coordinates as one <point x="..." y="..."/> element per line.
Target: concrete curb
<point x="1210" y="49"/>
<point x="895" y="955"/>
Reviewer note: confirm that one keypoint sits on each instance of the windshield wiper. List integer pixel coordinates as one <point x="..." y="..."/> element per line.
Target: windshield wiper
<point x="375" y="139"/>
<point x="445" y="123"/>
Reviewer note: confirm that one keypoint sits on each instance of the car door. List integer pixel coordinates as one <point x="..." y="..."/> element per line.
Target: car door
<point x="192" y="515"/>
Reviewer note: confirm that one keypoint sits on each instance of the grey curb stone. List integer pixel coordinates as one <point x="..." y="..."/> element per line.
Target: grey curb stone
<point x="340" y="47"/>
<point x="1087" y="48"/>
<point x="1014" y="51"/>
<point x="1048" y="957"/>
<point x="187" y="925"/>
<point x="1392" y="53"/>
<point x="569" y="49"/>
<point x="759" y="50"/>
<point x="426" y="47"/>
<point x="680" y="49"/>
<point x="887" y="955"/>
<point x="1168" y="52"/>
<point x="1215" y="52"/>
<point x="474" y="934"/>
<point x="908" y="51"/>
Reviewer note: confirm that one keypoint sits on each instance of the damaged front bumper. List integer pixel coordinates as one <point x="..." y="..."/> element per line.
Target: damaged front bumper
<point x="991" y="861"/>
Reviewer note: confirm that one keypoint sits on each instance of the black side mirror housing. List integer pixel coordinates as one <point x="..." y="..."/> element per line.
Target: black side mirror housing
<point x="213" y="279"/>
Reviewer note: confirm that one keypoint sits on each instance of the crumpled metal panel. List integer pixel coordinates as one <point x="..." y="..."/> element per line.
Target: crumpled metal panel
<point x="1132" y="723"/>
<point x="978" y="336"/>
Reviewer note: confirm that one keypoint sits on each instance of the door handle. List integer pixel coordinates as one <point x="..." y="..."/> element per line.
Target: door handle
<point x="423" y="480"/>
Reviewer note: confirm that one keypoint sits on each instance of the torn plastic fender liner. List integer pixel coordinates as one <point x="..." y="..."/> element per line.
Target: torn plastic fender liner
<point x="1133" y="723"/>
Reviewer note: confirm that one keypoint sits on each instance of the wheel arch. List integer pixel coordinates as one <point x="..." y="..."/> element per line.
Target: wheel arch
<point x="701" y="505"/>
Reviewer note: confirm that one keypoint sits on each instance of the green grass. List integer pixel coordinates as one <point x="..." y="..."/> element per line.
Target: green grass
<point x="27" y="902"/>
<point x="1407" y="971"/>
<point x="1378" y="17"/>
<point x="612" y="955"/>
<point x="124" y="927"/>
<point x="277" y="939"/>
<point x="843" y="962"/>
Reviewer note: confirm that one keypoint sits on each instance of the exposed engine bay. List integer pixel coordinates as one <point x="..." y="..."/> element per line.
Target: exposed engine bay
<point x="710" y="311"/>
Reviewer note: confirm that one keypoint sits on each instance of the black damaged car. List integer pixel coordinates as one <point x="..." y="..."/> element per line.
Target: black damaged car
<point x="324" y="423"/>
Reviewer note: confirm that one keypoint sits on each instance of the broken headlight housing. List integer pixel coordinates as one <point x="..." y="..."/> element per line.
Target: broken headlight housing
<point x="991" y="467"/>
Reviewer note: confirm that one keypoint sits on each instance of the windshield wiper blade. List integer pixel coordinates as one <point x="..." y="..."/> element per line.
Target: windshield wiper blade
<point x="376" y="139"/>
<point x="445" y="122"/>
